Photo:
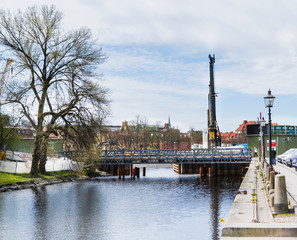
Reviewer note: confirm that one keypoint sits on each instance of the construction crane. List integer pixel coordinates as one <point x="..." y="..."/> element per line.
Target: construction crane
<point x="214" y="134"/>
<point x="4" y="77"/>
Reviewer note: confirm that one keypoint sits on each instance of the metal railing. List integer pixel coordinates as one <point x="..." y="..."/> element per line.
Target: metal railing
<point x="159" y="156"/>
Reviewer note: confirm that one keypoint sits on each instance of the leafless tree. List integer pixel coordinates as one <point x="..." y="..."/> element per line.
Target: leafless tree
<point x="57" y="74"/>
<point x="171" y="138"/>
<point x="137" y="127"/>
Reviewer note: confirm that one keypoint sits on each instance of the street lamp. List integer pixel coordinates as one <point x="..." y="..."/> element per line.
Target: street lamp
<point x="262" y="134"/>
<point x="269" y="99"/>
<point x="152" y="140"/>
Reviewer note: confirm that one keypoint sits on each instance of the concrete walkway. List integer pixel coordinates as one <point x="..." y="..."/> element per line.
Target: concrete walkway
<point x="251" y="217"/>
<point x="291" y="181"/>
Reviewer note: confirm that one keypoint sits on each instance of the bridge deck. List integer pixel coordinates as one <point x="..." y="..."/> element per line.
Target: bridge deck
<point x="170" y="156"/>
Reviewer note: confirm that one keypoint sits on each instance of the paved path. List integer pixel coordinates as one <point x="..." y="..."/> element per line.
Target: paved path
<point x="243" y="223"/>
<point x="291" y="180"/>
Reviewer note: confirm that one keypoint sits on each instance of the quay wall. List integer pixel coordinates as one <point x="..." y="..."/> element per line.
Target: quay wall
<point x="251" y="214"/>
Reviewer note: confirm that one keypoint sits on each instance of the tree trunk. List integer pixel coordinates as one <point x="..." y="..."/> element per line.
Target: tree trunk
<point x="36" y="155"/>
<point x="43" y="154"/>
<point x="39" y="155"/>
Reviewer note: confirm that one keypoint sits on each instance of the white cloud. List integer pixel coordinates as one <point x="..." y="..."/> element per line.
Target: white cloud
<point x="158" y="51"/>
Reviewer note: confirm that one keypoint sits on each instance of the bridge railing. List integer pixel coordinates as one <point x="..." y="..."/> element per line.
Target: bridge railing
<point x="216" y="155"/>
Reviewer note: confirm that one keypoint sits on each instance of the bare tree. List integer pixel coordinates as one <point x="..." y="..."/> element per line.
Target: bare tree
<point x="196" y="137"/>
<point x="57" y="78"/>
<point x="137" y="127"/>
<point x="171" y="138"/>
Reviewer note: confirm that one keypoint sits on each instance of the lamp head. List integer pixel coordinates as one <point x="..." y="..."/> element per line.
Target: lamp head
<point x="269" y="99"/>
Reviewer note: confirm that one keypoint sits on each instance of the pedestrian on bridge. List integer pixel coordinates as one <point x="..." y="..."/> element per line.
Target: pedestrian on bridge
<point x="255" y="152"/>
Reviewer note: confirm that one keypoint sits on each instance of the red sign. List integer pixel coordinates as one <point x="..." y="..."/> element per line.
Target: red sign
<point x="273" y="145"/>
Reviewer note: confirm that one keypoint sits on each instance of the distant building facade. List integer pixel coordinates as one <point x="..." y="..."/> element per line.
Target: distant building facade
<point x="239" y="136"/>
<point x="26" y="143"/>
<point x="283" y="137"/>
<point x="133" y="136"/>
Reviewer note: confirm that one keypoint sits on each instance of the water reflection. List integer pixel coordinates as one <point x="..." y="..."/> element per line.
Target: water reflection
<point x="162" y="205"/>
<point x="40" y="212"/>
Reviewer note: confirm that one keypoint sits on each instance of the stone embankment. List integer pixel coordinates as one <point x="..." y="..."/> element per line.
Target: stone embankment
<point x="253" y="214"/>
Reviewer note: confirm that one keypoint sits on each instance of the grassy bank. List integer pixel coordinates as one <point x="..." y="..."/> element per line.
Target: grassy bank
<point x="9" y="178"/>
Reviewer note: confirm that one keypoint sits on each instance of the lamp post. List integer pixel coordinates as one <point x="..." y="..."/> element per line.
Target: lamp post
<point x="269" y="99"/>
<point x="262" y="134"/>
<point x="152" y="140"/>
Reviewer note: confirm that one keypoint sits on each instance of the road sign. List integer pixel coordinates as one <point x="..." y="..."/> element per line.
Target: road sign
<point x="273" y="145"/>
<point x="211" y="135"/>
<point x="283" y="130"/>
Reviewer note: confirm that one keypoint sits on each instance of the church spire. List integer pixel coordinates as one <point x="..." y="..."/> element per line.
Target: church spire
<point x="169" y="124"/>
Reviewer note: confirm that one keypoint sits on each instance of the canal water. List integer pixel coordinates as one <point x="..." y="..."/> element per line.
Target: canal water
<point x="162" y="205"/>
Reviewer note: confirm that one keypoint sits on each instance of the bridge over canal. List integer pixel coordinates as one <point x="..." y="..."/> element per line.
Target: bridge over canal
<point x="171" y="156"/>
<point x="213" y="161"/>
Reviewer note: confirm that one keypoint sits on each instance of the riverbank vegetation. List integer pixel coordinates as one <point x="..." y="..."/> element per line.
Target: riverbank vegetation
<point x="9" y="178"/>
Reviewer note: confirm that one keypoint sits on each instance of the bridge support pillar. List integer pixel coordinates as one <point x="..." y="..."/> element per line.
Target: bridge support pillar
<point x="131" y="170"/>
<point x="143" y="171"/>
<point x="211" y="171"/>
<point x="182" y="168"/>
<point x="201" y="171"/>
<point x="114" y="169"/>
<point x="122" y="171"/>
<point x="123" y="168"/>
<point x="119" y="173"/>
<point x="135" y="172"/>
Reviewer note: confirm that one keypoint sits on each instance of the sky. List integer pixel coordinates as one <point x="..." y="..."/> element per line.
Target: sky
<point x="158" y="63"/>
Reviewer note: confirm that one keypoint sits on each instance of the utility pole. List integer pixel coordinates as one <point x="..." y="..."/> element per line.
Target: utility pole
<point x="213" y="130"/>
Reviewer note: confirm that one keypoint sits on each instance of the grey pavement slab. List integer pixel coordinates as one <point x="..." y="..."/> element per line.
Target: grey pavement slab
<point x="251" y="216"/>
<point x="291" y="179"/>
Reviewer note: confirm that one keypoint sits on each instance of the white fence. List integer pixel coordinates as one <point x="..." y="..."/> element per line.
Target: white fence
<point x="15" y="167"/>
<point x="52" y="164"/>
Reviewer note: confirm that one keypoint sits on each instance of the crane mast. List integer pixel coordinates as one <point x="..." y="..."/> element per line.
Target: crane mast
<point x="213" y="129"/>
